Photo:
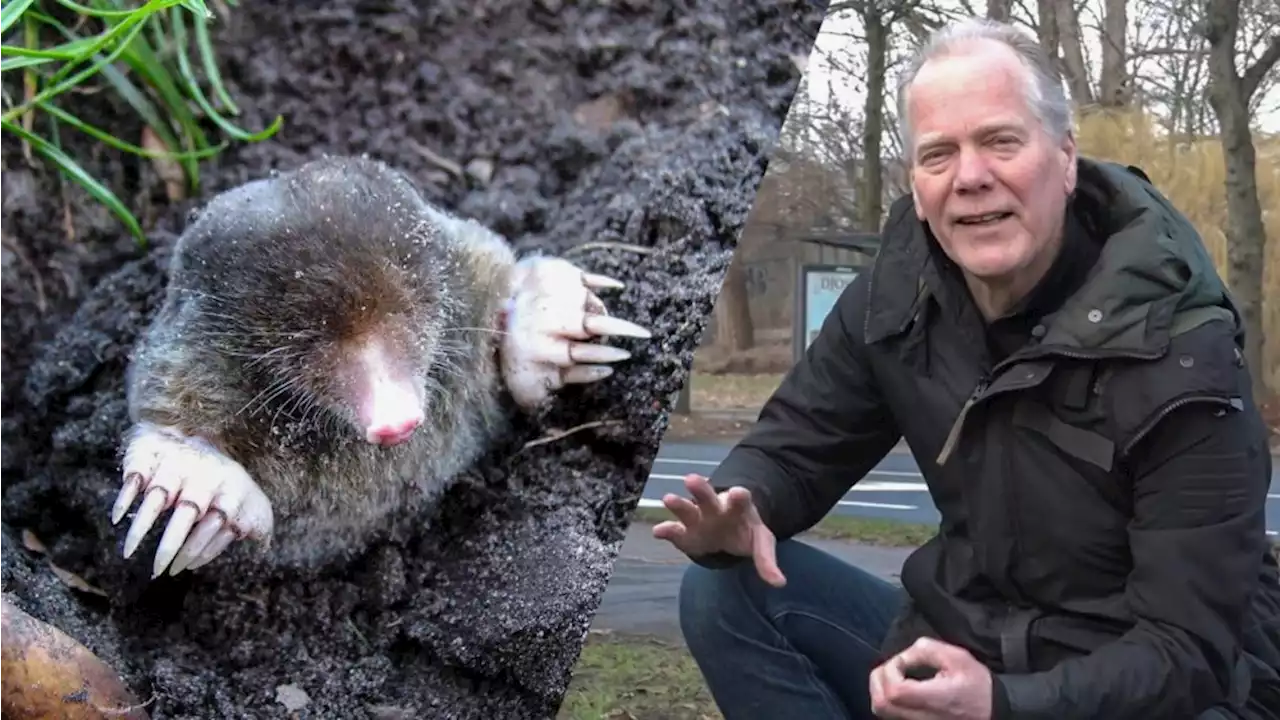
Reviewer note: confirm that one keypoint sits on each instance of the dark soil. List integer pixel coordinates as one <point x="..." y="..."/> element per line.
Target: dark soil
<point x="632" y="122"/>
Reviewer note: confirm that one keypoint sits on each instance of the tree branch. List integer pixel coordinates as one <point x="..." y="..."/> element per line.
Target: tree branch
<point x="1255" y="73"/>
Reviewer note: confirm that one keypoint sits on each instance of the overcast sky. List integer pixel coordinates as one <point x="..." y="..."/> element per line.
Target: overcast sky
<point x="830" y="43"/>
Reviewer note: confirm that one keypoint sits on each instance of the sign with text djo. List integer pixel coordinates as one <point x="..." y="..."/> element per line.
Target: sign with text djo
<point x="820" y="286"/>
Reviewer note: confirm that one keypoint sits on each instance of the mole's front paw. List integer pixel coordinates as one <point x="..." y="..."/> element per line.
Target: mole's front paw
<point x="551" y="311"/>
<point x="213" y="498"/>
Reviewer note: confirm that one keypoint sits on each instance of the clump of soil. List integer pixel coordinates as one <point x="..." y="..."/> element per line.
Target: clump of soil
<point x="624" y="122"/>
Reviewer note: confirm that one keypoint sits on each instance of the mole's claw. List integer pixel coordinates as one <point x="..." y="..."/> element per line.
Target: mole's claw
<point x="551" y="314"/>
<point x="585" y="353"/>
<point x="180" y="524"/>
<point x="219" y="543"/>
<point x="199" y="539"/>
<point x="592" y="280"/>
<point x="153" y="503"/>
<point x="128" y="493"/>
<point x="211" y="494"/>
<point x="583" y="374"/>
<point x="605" y="325"/>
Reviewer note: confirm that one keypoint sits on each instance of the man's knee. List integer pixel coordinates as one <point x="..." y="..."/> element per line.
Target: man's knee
<point x="701" y="590"/>
<point x="706" y="597"/>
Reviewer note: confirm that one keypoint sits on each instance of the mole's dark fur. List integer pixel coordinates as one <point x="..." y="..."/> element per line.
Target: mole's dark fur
<point x="269" y="286"/>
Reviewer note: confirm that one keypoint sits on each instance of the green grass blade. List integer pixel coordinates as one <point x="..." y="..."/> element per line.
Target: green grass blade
<point x="184" y="68"/>
<point x="65" y="51"/>
<point x="10" y="13"/>
<point x="128" y="147"/>
<point x="21" y="62"/>
<point x="72" y="170"/>
<point x="120" y="34"/>
<point x="155" y="75"/>
<point x="144" y="61"/>
<point x="197" y="8"/>
<point x="210" y="63"/>
<point x="131" y="31"/>
<point x="94" y="12"/>
<point x="147" y="111"/>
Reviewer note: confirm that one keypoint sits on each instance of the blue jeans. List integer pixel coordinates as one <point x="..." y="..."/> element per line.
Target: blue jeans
<point x="805" y="650"/>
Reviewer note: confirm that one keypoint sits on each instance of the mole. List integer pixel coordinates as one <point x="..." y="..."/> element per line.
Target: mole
<point x="330" y="348"/>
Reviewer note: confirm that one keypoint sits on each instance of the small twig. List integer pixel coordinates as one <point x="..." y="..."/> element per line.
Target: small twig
<point x="68" y="218"/>
<point x="552" y="437"/>
<point x="127" y="708"/>
<point x="603" y="245"/>
<point x="437" y="159"/>
<point x="351" y="624"/>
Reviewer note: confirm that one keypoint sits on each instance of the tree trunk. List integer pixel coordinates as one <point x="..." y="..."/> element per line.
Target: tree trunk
<point x="999" y="10"/>
<point x="1073" y="67"/>
<point x="1115" y="86"/>
<point x="1047" y="31"/>
<point x="733" y="311"/>
<point x="1229" y="94"/>
<point x="872" y="185"/>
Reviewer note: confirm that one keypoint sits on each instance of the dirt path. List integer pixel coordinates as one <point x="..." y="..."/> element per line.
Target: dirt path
<point x="629" y="122"/>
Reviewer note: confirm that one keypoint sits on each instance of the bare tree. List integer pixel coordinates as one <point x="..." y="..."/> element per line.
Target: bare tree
<point x="735" y="331"/>
<point x="1114" y="87"/>
<point x="1230" y="94"/>
<point x="1067" y="22"/>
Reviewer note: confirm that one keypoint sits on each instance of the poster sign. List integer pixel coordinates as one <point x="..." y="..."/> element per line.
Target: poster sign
<point x="820" y="286"/>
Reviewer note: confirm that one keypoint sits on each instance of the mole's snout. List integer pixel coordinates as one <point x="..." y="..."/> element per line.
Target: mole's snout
<point x="389" y="404"/>
<point x="393" y="433"/>
<point x="393" y="414"/>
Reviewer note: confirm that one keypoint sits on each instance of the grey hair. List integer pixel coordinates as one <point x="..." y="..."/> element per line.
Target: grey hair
<point x="1045" y="93"/>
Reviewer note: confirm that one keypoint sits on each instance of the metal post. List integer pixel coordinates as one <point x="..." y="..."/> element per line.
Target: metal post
<point x="684" y="401"/>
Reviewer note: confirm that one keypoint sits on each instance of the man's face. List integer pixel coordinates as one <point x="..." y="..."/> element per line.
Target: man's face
<point x="986" y="177"/>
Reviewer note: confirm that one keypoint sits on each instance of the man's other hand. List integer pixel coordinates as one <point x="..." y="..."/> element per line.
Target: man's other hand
<point x="726" y="522"/>
<point x="960" y="689"/>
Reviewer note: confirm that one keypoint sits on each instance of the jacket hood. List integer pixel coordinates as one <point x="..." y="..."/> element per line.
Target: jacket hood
<point x="1153" y="278"/>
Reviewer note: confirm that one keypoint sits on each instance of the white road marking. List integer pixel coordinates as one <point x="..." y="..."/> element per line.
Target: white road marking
<point x="682" y="461"/>
<point x="864" y="486"/>
<point x="883" y="506"/>
<point x="867" y="485"/>
<point x="714" y="463"/>
<point x="652" y="503"/>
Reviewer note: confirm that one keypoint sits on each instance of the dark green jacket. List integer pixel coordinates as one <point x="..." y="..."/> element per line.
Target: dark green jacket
<point x="1102" y="490"/>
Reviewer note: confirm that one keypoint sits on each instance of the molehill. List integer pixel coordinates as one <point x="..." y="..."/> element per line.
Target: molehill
<point x="647" y="124"/>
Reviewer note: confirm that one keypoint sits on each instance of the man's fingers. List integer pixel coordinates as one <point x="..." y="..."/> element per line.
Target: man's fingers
<point x="764" y="551"/>
<point x="893" y="695"/>
<point x="909" y="697"/>
<point x="671" y="531"/>
<point x="685" y="511"/>
<point x="703" y="494"/>
<point x="875" y="683"/>
<point x="737" y="500"/>
<point x="931" y="652"/>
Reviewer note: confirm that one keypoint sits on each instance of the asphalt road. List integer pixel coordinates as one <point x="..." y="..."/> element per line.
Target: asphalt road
<point x="642" y="596"/>
<point x="894" y="490"/>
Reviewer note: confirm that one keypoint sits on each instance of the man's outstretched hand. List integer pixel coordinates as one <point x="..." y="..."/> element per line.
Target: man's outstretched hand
<point x="725" y="522"/>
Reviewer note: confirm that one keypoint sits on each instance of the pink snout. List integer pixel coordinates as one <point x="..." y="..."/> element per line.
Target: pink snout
<point x="393" y="433"/>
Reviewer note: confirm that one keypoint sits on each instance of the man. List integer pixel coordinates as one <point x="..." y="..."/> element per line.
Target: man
<point x="1051" y="339"/>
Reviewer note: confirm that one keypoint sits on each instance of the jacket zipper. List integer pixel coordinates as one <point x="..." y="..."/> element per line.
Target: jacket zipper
<point x="954" y="436"/>
<point x="1153" y="422"/>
